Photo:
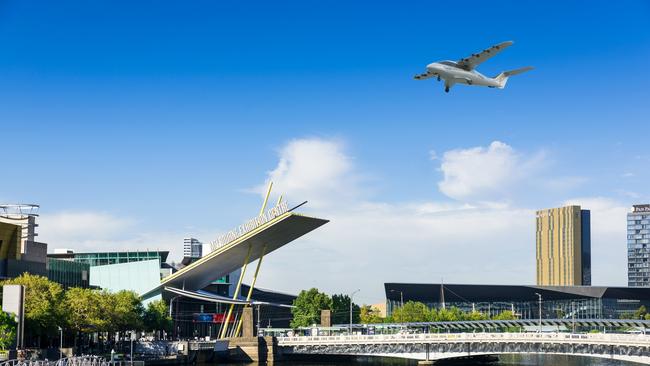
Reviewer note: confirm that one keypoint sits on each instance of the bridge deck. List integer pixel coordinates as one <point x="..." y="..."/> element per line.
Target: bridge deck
<point x="609" y="339"/>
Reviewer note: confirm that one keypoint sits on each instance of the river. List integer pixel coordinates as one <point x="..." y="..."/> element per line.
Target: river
<point x="504" y="360"/>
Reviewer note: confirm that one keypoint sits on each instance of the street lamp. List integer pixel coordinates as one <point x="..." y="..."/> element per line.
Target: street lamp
<point x="539" y="300"/>
<point x="351" y="295"/>
<point x="60" y="343"/>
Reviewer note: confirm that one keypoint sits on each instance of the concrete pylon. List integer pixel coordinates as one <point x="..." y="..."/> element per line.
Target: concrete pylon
<point x="247" y="323"/>
<point x="325" y="318"/>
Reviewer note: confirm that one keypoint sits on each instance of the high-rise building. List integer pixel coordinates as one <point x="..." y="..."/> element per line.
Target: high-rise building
<point x="638" y="246"/>
<point x="192" y="250"/>
<point x="563" y="247"/>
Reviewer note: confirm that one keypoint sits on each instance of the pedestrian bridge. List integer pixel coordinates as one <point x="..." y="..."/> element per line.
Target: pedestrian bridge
<point x="438" y="346"/>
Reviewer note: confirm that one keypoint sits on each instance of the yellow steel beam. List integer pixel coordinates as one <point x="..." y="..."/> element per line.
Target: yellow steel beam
<point x="243" y="271"/>
<point x="257" y="269"/>
<point x="266" y="198"/>
<point x="250" y="289"/>
<point x="241" y="278"/>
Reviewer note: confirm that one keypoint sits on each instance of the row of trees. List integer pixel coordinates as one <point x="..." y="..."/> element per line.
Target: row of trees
<point x="79" y="310"/>
<point x="309" y="303"/>
<point x="414" y="311"/>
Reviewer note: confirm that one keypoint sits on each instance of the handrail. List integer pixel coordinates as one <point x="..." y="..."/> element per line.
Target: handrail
<point x="611" y="339"/>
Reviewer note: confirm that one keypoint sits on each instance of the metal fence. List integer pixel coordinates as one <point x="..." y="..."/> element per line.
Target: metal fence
<point x="72" y="361"/>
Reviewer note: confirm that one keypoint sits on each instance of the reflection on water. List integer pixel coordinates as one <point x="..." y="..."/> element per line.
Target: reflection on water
<point x="504" y="360"/>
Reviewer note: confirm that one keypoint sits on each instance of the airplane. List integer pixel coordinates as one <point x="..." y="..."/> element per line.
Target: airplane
<point x="463" y="71"/>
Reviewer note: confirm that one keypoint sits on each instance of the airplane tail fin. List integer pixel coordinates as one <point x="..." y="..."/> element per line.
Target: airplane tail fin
<point x="502" y="78"/>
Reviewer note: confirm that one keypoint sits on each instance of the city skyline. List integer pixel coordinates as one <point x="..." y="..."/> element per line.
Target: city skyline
<point x="171" y="124"/>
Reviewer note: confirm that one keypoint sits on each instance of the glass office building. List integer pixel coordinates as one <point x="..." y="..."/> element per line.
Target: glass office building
<point x="68" y="273"/>
<point x="108" y="258"/>
<point x="638" y="246"/>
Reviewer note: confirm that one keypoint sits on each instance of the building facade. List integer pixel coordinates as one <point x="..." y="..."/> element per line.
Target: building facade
<point x="137" y="271"/>
<point x="19" y="250"/>
<point x="558" y="302"/>
<point x="563" y="246"/>
<point x="638" y="246"/>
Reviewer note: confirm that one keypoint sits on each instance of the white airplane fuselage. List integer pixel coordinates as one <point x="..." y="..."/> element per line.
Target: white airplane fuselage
<point x="454" y="74"/>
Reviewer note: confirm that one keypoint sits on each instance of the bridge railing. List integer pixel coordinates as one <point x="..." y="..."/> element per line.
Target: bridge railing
<point x="622" y="339"/>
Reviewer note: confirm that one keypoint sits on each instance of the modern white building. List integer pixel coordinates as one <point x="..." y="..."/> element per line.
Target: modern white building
<point x="192" y="249"/>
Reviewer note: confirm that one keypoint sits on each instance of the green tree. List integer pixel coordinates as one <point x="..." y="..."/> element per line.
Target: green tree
<point x="412" y="311"/>
<point x="308" y="306"/>
<point x="640" y="312"/>
<point x="156" y="317"/>
<point x="341" y="310"/>
<point x="370" y="315"/>
<point x="7" y="330"/>
<point x="505" y="315"/>
<point x="476" y="315"/>
<point x="43" y="300"/>
<point x="85" y="310"/>
<point x="448" y="315"/>
<point x="123" y="310"/>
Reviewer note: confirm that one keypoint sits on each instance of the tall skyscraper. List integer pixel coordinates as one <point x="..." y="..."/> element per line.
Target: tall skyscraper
<point x="638" y="246"/>
<point x="192" y="250"/>
<point x="563" y="239"/>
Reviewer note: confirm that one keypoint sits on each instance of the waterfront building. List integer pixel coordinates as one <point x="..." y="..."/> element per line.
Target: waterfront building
<point x="638" y="246"/>
<point x="563" y="243"/>
<point x="558" y="302"/>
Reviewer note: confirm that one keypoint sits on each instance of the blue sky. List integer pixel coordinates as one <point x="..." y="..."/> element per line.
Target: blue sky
<point x="153" y="120"/>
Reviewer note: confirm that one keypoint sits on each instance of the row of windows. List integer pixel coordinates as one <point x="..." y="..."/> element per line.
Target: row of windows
<point x="642" y="231"/>
<point x="637" y="227"/>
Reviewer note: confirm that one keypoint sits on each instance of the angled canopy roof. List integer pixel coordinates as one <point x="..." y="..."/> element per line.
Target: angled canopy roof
<point x="274" y="234"/>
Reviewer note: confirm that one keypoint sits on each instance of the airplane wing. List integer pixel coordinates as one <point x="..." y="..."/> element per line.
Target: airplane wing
<point x="469" y="63"/>
<point x="426" y="75"/>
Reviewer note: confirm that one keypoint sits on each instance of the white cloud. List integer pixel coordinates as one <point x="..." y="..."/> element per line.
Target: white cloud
<point x="485" y="174"/>
<point x="317" y="170"/>
<point x="76" y="227"/>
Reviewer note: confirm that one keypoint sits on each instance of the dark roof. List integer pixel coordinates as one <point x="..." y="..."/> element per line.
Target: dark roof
<point x="269" y="295"/>
<point x="507" y="293"/>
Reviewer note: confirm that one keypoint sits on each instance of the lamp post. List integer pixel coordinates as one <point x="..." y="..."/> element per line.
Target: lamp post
<point x="539" y="300"/>
<point x="351" y="295"/>
<point x="60" y="343"/>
